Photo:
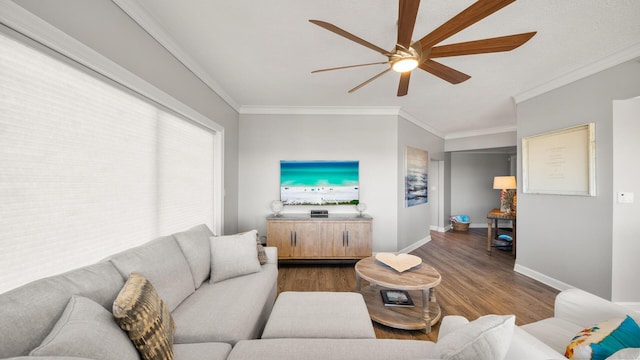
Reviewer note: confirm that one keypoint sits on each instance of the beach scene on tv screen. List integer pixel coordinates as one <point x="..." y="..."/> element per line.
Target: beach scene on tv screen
<point x="318" y="182"/>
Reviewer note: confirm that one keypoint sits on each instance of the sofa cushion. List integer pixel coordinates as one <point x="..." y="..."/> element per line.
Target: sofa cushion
<point x="334" y="349"/>
<point x="201" y="351"/>
<point x="487" y="337"/>
<point x="554" y="332"/>
<point x="143" y="315"/>
<point x="162" y="262"/>
<point x="319" y="314"/>
<point x="626" y="354"/>
<point x="205" y="316"/>
<point x="30" y="312"/>
<point x="233" y="255"/>
<point x="602" y="340"/>
<point x="195" y="246"/>
<point x="87" y="329"/>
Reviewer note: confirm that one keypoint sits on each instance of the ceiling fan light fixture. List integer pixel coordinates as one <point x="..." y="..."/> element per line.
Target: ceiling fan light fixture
<point x="404" y="64"/>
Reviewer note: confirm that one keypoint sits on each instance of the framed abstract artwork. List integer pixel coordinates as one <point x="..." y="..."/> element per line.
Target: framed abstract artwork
<point x="416" y="166"/>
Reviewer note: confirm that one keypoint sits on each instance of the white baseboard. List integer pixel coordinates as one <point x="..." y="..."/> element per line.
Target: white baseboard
<point x="415" y="245"/>
<point x="438" y="228"/>
<point x="547" y="280"/>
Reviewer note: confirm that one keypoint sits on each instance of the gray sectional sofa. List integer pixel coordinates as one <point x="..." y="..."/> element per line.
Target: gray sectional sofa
<point x="210" y="318"/>
<point x="226" y="319"/>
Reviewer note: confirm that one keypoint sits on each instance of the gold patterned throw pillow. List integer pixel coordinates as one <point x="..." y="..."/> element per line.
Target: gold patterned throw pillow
<point x="145" y="317"/>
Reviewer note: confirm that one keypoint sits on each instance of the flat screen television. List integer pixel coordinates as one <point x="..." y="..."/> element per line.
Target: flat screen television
<point x="319" y="182"/>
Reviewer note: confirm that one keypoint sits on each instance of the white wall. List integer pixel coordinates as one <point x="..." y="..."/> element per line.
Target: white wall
<point x="472" y="190"/>
<point x="626" y="178"/>
<point x="568" y="239"/>
<point x="414" y="222"/>
<point x="370" y="139"/>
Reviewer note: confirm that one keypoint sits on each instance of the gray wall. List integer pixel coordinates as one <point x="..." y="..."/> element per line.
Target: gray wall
<point x="475" y="142"/>
<point x="370" y="139"/>
<point x="376" y="141"/>
<point x="472" y="190"/>
<point x="569" y="238"/>
<point x="414" y="222"/>
<point x="105" y="28"/>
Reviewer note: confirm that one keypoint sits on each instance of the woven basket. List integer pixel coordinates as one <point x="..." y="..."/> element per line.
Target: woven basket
<point x="460" y="226"/>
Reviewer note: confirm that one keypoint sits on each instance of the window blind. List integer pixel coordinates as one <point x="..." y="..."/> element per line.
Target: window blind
<point x="88" y="168"/>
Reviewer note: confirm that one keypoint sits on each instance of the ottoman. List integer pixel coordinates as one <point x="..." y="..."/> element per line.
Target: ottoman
<point x="331" y="315"/>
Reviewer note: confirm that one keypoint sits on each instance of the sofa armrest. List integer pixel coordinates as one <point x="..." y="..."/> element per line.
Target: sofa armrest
<point x="586" y="309"/>
<point x="272" y="254"/>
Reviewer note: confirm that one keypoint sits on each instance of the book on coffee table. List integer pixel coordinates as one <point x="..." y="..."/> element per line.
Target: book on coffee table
<point x="396" y="298"/>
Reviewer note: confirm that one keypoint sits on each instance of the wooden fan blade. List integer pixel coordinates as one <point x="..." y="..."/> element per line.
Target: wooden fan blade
<point x="408" y="10"/>
<point x="498" y="44"/>
<point x="349" y="66"/>
<point x="368" y="81"/>
<point x="349" y="36"/>
<point x="469" y="16"/>
<point x="444" y="72"/>
<point x="403" y="87"/>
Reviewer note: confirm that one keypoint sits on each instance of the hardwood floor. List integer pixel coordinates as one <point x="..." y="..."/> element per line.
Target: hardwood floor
<point x="473" y="283"/>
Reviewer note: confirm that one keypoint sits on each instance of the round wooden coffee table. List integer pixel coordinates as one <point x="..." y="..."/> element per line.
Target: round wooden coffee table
<point x="418" y="281"/>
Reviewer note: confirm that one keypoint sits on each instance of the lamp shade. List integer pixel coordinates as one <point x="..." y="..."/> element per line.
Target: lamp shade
<point x="504" y="182"/>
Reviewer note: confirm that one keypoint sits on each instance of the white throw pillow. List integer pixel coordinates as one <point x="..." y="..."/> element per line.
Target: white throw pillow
<point x="487" y="337"/>
<point x="233" y="255"/>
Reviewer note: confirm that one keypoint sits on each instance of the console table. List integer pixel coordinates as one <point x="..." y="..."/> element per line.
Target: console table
<point x="341" y="236"/>
<point x="493" y="217"/>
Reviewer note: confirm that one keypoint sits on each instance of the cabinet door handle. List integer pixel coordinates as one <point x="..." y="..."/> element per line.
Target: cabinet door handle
<point x="295" y="239"/>
<point x="347" y="238"/>
<point x="343" y="240"/>
<point x="291" y="238"/>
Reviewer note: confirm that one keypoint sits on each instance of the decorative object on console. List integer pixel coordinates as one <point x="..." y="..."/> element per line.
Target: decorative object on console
<point x="276" y="207"/>
<point x="361" y="207"/>
<point x="400" y="262"/>
<point x="507" y="184"/>
<point x="319" y="213"/>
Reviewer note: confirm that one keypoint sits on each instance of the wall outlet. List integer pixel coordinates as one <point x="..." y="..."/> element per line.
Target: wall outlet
<point x="625" y="198"/>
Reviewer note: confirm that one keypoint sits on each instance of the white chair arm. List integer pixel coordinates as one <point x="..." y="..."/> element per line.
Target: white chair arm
<point x="272" y="254"/>
<point x="586" y="309"/>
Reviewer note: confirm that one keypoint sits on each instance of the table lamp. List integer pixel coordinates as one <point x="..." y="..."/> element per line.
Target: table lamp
<point x="507" y="184"/>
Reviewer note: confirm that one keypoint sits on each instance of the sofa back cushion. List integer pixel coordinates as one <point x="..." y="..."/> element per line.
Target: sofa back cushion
<point x="195" y="246"/>
<point x="30" y="312"/>
<point x="162" y="262"/>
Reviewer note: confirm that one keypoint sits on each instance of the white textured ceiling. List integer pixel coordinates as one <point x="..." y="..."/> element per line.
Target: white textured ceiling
<point x="261" y="53"/>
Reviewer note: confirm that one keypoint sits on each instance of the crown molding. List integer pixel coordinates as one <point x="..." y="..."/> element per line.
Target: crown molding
<point x="607" y="62"/>
<point x="141" y="16"/>
<point x="318" y="110"/>
<point x="481" y="132"/>
<point x="24" y="22"/>
<point x="405" y="115"/>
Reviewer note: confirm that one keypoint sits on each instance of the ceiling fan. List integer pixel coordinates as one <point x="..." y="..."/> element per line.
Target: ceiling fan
<point x="408" y="55"/>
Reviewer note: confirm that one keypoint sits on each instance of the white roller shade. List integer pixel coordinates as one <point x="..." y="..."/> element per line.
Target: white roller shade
<point x="87" y="168"/>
